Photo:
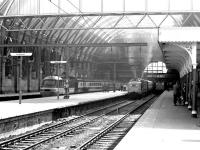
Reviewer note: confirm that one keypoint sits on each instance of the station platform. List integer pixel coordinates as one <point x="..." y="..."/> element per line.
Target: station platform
<point x="163" y="126"/>
<point x="16" y="94"/>
<point x="13" y="108"/>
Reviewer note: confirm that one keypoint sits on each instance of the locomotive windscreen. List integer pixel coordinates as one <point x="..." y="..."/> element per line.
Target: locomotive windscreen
<point x="49" y="83"/>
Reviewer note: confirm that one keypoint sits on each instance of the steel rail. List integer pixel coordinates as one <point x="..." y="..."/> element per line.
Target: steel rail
<point x="109" y="128"/>
<point x="41" y="131"/>
<point x="72" y="129"/>
<point x="56" y="125"/>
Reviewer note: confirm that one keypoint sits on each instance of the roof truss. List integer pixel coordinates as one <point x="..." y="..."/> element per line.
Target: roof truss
<point x="94" y="24"/>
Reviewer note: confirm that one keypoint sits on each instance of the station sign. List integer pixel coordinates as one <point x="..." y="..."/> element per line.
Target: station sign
<point x="58" y="62"/>
<point x="20" y="54"/>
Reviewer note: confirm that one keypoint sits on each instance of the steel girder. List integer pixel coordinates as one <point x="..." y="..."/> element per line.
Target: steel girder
<point x="76" y="45"/>
<point x="120" y="16"/>
<point x="102" y="15"/>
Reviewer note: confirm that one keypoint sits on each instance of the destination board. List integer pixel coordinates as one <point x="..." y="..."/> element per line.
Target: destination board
<point x="20" y="54"/>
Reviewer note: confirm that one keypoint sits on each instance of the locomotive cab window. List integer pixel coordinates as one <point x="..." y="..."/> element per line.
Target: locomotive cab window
<point x="49" y="83"/>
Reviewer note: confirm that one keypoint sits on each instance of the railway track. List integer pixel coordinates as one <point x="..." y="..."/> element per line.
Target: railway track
<point x="38" y="137"/>
<point x="111" y="135"/>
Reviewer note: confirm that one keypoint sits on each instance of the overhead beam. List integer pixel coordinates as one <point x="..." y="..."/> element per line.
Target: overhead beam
<point x="76" y="45"/>
<point x="83" y="28"/>
<point x="102" y="14"/>
<point x="121" y="15"/>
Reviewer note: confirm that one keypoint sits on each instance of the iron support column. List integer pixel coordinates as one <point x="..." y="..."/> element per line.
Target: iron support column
<point x="88" y="69"/>
<point x="57" y="72"/>
<point x="29" y="76"/>
<point x="1" y="81"/>
<point x="187" y="87"/>
<point x="2" y="78"/>
<point x="184" y="88"/>
<point x="181" y="85"/>
<point x="189" y="91"/>
<point x="194" y="108"/>
<point x="193" y="92"/>
<point x="114" y="79"/>
<point x="20" y="80"/>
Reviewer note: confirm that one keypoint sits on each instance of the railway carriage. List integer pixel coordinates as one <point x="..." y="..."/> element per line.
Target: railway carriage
<point x="89" y="85"/>
<point x="50" y="84"/>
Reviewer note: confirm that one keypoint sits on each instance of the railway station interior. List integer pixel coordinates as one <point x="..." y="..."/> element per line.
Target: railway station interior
<point x="94" y="40"/>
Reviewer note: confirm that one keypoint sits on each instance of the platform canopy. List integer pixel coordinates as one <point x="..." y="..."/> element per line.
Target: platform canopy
<point x="125" y="29"/>
<point x="177" y="34"/>
<point x="178" y="46"/>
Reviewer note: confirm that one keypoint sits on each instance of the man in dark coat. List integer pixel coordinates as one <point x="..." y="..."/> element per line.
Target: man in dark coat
<point x="176" y="92"/>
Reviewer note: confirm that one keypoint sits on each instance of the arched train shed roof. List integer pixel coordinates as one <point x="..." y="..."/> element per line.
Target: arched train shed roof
<point x="92" y="35"/>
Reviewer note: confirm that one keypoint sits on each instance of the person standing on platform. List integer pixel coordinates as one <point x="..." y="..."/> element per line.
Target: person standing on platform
<point x="184" y="93"/>
<point x="176" y="92"/>
<point x="104" y="88"/>
<point x="66" y="87"/>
